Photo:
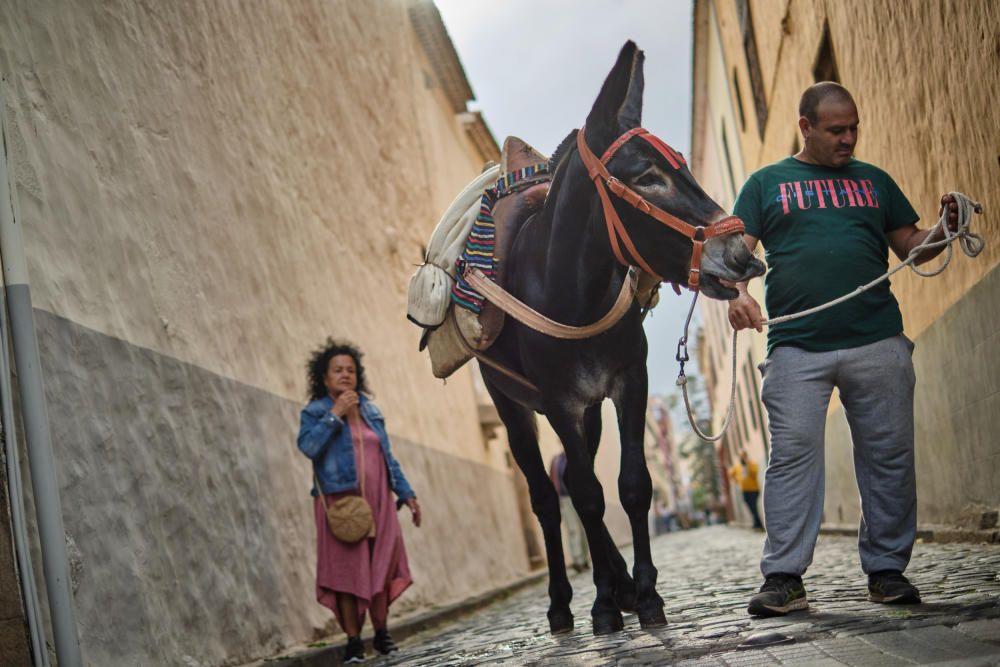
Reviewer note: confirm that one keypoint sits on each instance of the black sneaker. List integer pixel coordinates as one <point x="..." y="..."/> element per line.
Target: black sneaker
<point x="780" y="594"/>
<point x="383" y="642"/>
<point x="354" y="652"/>
<point x="891" y="587"/>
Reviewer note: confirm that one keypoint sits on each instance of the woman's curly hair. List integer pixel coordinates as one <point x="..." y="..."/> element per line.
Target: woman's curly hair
<point x="319" y="362"/>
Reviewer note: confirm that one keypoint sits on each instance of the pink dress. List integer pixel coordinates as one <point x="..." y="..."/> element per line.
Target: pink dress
<point x="374" y="570"/>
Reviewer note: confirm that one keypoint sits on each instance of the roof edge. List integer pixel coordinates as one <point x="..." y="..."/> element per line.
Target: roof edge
<point x="440" y="50"/>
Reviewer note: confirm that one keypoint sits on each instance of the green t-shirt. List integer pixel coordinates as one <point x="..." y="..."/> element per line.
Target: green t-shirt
<point x="824" y="234"/>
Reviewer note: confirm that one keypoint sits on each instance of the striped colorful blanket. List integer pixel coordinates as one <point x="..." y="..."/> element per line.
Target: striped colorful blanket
<point x="479" y="249"/>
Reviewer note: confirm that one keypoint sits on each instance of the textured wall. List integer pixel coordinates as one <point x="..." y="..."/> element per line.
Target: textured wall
<point x="188" y="504"/>
<point x="207" y="190"/>
<point x="924" y="75"/>
<point x="228" y="182"/>
<point x="957" y="414"/>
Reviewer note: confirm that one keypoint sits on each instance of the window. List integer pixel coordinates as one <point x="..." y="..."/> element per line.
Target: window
<point x="752" y="393"/>
<point x="825" y="68"/>
<point x="729" y="162"/>
<point x="721" y="313"/>
<point x="757" y="406"/>
<point x="739" y="102"/>
<point x="741" y="414"/>
<point x="753" y="63"/>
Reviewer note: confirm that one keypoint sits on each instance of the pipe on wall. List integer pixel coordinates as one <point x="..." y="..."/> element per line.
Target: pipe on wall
<point x="34" y="414"/>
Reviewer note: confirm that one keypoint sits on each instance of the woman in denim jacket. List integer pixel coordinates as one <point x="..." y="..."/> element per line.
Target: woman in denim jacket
<point x="352" y="579"/>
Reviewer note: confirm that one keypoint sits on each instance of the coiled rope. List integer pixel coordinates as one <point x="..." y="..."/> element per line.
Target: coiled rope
<point x="972" y="244"/>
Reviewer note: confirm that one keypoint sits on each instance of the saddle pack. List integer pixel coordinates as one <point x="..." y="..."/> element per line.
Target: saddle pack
<point x="478" y="231"/>
<point x="479" y="227"/>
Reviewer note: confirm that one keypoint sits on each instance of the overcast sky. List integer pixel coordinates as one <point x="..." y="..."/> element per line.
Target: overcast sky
<point x="536" y="68"/>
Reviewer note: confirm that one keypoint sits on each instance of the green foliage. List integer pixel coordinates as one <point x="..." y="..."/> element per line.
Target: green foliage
<point x="699" y="499"/>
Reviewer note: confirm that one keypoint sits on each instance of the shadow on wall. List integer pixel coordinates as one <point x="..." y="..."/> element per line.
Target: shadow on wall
<point x="189" y="502"/>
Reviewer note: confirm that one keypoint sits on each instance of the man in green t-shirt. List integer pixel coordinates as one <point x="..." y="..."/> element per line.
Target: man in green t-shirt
<point x="826" y="222"/>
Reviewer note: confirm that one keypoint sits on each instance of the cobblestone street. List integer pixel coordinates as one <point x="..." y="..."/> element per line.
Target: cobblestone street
<point x="706" y="577"/>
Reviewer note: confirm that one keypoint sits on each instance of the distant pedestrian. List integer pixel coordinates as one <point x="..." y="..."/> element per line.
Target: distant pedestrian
<point x="576" y="538"/>
<point x="744" y="473"/>
<point x="664" y="517"/>
<point x="827" y="222"/>
<point x="343" y="432"/>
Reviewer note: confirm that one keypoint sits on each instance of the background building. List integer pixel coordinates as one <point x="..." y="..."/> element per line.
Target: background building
<point x="663" y="457"/>
<point x="207" y="191"/>
<point x="924" y="75"/>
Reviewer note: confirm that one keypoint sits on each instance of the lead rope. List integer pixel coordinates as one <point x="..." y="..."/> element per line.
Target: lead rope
<point x="971" y="243"/>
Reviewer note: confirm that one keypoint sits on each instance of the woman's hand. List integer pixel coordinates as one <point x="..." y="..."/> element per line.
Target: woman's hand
<point x="415" y="509"/>
<point x="346" y="401"/>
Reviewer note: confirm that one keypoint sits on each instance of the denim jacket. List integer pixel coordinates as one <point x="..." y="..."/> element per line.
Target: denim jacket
<point x="326" y="439"/>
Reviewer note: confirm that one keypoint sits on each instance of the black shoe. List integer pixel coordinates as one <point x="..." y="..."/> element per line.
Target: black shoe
<point x="383" y="642"/>
<point x="780" y="594"/>
<point x="354" y="652"/>
<point x="891" y="587"/>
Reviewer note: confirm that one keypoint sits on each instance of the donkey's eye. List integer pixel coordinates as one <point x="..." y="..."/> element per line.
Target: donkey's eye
<point x="647" y="180"/>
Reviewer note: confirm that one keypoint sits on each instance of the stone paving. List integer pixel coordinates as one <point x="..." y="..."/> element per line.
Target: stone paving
<point x="706" y="578"/>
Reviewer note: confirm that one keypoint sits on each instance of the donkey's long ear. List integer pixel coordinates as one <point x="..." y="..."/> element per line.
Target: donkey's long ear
<point x="630" y="114"/>
<point x="619" y="104"/>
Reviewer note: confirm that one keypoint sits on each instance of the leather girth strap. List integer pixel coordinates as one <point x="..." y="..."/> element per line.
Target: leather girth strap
<point x="532" y="318"/>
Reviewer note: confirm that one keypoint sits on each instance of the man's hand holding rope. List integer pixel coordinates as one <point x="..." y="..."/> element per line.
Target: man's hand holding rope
<point x="904" y="240"/>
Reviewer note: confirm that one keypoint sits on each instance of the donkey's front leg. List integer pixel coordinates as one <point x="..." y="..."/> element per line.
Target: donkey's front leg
<point x="588" y="499"/>
<point x="635" y="490"/>
<point x="624" y="586"/>
<point x="522" y="435"/>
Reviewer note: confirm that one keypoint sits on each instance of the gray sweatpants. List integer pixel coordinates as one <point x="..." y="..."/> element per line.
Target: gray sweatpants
<point x="876" y="388"/>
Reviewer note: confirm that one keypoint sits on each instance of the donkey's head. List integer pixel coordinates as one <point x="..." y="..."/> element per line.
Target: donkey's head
<point x="656" y="198"/>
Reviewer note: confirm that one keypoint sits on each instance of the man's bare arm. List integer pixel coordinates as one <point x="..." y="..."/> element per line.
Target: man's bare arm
<point x="905" y="239"/>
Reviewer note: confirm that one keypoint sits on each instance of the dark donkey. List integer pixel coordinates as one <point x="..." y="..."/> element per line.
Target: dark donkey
<point x="563" y="265"/>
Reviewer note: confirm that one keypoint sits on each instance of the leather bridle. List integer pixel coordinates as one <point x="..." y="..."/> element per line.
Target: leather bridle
<point x="604" y="181"/>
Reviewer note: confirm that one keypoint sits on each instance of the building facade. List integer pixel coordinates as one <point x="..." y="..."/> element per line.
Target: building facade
<point x="207" y="191"/>
<point x="717" y="161"/>
<point x="665" y="463"/>
<point x="923" y="75"/>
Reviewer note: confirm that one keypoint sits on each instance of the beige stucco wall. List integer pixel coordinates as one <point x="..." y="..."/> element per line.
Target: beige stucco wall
<point x="183" y="160"/>
<point x="924" y="76"/>
<point x="207" y="190"/>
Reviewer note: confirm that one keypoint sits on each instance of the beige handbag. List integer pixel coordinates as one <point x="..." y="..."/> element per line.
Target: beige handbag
<point x="350" y="519"/>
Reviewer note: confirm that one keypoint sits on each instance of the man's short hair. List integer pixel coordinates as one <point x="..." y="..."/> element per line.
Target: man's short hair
<point x="818" y="92"/>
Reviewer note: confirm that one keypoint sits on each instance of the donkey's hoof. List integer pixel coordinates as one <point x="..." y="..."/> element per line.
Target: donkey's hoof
<point x="652" y="618"/>
<point x="607" y="623"/>
<point x="560" y="622"/>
